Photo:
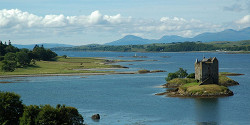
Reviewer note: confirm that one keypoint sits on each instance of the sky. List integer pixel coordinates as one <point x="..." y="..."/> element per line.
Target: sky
<point x="81" y="22"/>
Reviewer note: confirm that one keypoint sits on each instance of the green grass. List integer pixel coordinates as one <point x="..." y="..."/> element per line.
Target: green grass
<point x="62" y="66"/>
<point x="208" y="89"/>
<point x="181" y="81"/>
<point x="185" y="86"/>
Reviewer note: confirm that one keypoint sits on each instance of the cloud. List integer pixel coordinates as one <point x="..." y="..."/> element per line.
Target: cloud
<point x="239" y="6"/>
<point x="243" y="22"/>
<point x="25" y="25"/>
<point x="177" y="26"/>
<point x="17" y="18"/>
<point x="234" y="7"/>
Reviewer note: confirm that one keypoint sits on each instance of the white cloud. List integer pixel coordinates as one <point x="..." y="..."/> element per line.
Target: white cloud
<point x="177" y="26"/>
<point x="95" y="17"/>
<point x="244" y="20"/>
<point x="25" y="25"/>
<point x="54" y="21"/>
<point x="15" y="17"/>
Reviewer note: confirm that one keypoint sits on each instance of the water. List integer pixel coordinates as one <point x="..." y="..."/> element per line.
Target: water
<point x="129" y="98"/>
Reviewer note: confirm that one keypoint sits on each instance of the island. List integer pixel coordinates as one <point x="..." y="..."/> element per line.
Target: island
<point x="206" y="82"/>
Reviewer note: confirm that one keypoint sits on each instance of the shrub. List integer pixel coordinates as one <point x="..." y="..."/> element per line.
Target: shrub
<point x="181" y="73"/>
<point x="191" y="75"/>
<point x="171" y="76"/>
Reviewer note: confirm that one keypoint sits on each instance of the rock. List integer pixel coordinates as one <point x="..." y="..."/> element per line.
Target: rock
<point x="96" y="117"/>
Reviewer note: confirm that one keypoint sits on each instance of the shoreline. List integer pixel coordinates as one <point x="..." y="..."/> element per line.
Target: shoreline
<point x="212" y="51"/>
<point x="72" y="74"/>
<point x="67" y="74"/>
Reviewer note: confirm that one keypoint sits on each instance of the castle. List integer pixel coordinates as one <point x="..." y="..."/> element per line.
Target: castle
<point x="207" y="71"/>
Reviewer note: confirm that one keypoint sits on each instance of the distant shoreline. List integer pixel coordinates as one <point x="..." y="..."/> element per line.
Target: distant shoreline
<point x="74" y="74"/>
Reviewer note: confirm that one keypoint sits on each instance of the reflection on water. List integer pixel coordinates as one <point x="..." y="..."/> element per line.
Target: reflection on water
<point x="207" y="111"/>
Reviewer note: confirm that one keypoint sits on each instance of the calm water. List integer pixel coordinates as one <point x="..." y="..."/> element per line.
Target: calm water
<point x="129" y="99"/>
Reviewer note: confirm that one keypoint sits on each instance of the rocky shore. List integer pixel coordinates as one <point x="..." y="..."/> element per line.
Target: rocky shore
<point x="188" y="87"/>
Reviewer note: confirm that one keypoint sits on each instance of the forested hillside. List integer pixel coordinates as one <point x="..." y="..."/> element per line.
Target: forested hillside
<point x="165" y="47"/>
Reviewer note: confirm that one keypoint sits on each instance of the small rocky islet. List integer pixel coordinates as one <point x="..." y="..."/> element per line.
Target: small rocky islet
<point x="208" y="83"/>
<point x="188" y="87"/>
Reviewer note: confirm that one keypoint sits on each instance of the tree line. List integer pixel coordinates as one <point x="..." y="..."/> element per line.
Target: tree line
<point x="14" y="112"/>
<point x="160" y="47"/>
<point x="13" y="58"/>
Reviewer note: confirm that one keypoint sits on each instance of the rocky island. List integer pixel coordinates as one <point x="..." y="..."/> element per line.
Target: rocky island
<point x="206" y="82"/>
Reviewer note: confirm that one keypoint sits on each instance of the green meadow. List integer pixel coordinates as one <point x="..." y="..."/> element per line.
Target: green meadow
<point x="63" y="66"/>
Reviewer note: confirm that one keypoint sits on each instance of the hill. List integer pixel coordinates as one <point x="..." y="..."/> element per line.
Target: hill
<point x="226" y="35"/>
<point x="130" y="40"/>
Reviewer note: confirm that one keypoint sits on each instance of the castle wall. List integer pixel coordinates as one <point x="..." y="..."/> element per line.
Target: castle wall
<point x="198" y="71"/>
<point x="207" y="71"/>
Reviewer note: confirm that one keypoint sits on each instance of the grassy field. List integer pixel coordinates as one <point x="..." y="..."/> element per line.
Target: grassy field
<point x="206" y="89"/>
<point x="177" y="82"/>
<point x="62" y="66"/>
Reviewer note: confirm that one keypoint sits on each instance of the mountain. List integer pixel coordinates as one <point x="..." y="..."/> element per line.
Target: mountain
<point x="130" y="40"/>
<point x="173" y="38"/>
<point x="226" y="35"/>
<point x="46" y="45"/>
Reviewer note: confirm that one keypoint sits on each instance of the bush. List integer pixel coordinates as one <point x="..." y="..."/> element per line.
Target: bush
<point x="191" y="75"/>
<point x="64" y="56"/>
<point x="171" y="76"/>
<point x="181" y="73"/>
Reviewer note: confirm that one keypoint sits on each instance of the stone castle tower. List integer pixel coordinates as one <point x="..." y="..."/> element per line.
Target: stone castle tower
<point x="207" y="71"/>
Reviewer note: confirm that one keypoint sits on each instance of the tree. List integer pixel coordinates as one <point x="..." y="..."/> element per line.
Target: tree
<point x="23" y="58"/>
<point x="50" y="55"/>
<point x="29" y="115"/>
<point x="69" y="115"/>
<point x="40" y="53"/>
<point x="47" y="116"/>
<point x="10" y="48"/>
<point x="171" y="76"/>
<point x="61" y="115"/>
<point x="9" y="62"/>
<point x="10" y="56"/>
<point x="11" y="108"/>
<point x="9" y="66"/>
<point x="181" y="73"/>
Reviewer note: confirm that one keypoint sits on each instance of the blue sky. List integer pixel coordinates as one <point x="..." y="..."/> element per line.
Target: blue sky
<point x="80" y="22"/>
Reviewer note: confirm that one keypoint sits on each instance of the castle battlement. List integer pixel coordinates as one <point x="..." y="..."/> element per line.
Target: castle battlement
<point x="207" y="71"/>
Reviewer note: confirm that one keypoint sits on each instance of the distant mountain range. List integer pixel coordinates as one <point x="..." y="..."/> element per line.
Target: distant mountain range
<point x="226" y="35"/>
<point x="46" y="45"/>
